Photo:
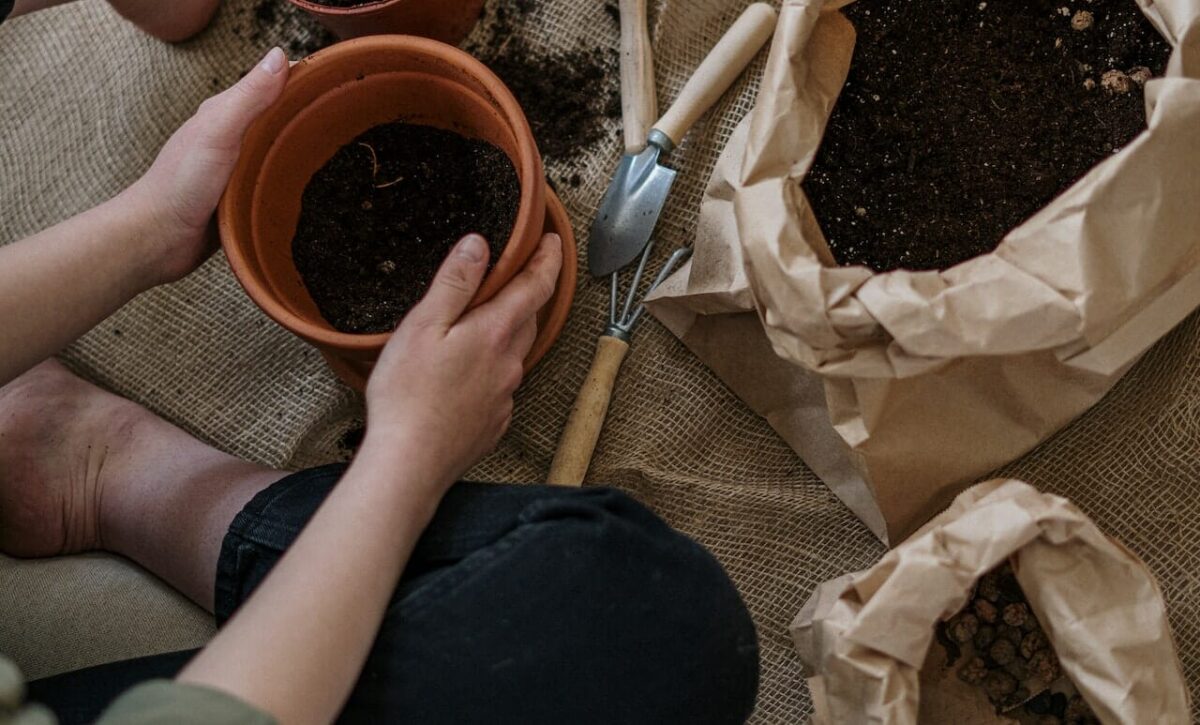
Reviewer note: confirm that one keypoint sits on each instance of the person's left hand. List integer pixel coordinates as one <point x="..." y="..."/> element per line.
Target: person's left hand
<point x="177" y="197"/>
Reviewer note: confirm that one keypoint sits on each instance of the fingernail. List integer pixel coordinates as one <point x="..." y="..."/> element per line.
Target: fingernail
<point x="274" y="62"/>
<point x="472" y="247"/>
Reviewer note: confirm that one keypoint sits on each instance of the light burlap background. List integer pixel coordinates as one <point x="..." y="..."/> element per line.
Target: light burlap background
<point x="85" y="102"/>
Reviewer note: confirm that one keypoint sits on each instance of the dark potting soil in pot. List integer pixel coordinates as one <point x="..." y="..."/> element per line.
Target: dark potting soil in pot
<point x="343" y="3"/>
<point x="962" y="118"/>
<point x="378" y="219"/>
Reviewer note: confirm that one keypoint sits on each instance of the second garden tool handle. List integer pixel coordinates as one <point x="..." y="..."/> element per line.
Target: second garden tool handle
<point x="719" y="70"/>
<point x="579" y="438"/>
<point x="639" y="100"/>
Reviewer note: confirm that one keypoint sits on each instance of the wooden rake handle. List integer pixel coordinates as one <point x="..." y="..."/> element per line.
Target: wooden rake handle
<point x="639" y="99"/>
<point x="719" y="70"/>
<point x="579" y="438"/>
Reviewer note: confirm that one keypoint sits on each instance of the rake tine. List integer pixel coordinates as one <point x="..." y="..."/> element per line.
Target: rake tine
<point x="677" y="258"/>
<point x="637" y="282"/>
<point x="612" y="294"/>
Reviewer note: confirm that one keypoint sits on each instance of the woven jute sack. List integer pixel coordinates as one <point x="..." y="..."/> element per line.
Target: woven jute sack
<point x="899" y="388"/>
<point x="867" y="639"/>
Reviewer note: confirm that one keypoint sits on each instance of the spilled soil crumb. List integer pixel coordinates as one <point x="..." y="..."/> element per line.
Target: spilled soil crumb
<point x="277" y="22"/>
<point x="351" y="440"/>
<point x="571" y="96"/>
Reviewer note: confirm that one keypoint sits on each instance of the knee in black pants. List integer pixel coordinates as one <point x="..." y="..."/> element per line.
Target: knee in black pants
<point x="587" y="609"/>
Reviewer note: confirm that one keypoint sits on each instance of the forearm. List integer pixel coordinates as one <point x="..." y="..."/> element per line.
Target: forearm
<point x="297" y="646"/>
<point x="58" y="284"/>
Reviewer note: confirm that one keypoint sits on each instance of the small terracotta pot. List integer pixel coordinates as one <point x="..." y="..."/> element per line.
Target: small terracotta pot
<point x="331" y="98"/>
<point x="449" y="21"/>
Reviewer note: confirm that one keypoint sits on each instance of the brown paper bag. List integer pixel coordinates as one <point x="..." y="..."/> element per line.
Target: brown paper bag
<point x="899" y="388"/>
<point x="865" y="637"/>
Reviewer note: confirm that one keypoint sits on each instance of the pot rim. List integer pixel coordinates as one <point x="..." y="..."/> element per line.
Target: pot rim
<point x="368" y="7"/>
<point x="326" y="335"/>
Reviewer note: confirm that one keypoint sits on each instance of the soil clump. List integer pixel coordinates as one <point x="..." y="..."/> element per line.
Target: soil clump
<point x="351" y="440"/>
<point x="998" y="645"/>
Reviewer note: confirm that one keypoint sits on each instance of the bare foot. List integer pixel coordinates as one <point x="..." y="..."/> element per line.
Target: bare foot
<point x="173" y="21"/>
<point x="57" y="433"/>
<point x="82" y="469"/>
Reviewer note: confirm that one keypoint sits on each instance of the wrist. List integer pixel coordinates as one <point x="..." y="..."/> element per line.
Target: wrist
<point x="125" y="227"/>
<point x="171" y="246"/>
<point x="143" y="234"/>
<point x="403" y="457"/>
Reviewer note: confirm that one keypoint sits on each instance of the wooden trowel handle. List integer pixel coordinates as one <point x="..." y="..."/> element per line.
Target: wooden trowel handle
<point x="579" y="438"/>
<point x="639" y="100"/>
<point x="719" y="70"/>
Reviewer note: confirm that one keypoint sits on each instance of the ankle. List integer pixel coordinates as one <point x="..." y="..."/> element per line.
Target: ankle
<point x="116" y="510"/>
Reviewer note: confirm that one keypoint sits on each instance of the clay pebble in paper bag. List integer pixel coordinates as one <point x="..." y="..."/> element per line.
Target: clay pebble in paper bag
<point x="898" y="389"/>
<point x="866" y="638"/>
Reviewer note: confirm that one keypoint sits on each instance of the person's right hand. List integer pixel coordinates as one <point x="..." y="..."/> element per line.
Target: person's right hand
<point x="178" y="195"/>
<point x="443" y="387"/>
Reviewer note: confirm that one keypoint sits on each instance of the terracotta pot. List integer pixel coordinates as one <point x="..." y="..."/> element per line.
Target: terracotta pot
<point x="449" y="21"/>
<point x="331" y="98"/>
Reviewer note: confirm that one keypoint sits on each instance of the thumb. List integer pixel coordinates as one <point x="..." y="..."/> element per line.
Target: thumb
<point x="225" y="117"/>
<point x="455" y="284"/>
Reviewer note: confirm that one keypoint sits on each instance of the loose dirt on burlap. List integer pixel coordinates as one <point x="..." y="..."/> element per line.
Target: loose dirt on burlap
<point x="85" y="103"/>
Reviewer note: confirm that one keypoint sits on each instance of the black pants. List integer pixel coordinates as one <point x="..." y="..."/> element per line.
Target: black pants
<point x="520" y="604"/>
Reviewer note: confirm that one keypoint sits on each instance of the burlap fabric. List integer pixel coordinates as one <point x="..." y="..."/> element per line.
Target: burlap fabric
<point x="85" y="102"/>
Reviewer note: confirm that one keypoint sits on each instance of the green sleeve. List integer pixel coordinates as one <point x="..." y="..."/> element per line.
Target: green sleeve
<point x="163" y="701"/>
<point x="12" y="693"/>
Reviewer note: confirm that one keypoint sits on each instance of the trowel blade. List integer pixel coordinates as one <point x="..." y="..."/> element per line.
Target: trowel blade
<point x="629" y="211"/>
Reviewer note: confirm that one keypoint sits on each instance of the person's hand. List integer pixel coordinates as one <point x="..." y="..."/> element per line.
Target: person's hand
<point x="178" y="195"/>
<point x="443" y="388"/>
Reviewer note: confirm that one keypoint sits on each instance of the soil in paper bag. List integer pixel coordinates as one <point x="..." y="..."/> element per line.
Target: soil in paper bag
<point x="961" y="118"/>
<point x="995" y="652"/>
<point x="946" y="700"/>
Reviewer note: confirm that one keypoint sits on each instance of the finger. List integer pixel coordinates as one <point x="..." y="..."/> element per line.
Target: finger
<point x="455" y="284"/>
<point x="522" y="341"/>
<point x="224" y="118"/>
<point x="530" y="290"/>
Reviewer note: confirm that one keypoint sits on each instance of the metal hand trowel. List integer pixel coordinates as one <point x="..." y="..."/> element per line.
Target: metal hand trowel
<point x="634" y="201"/>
